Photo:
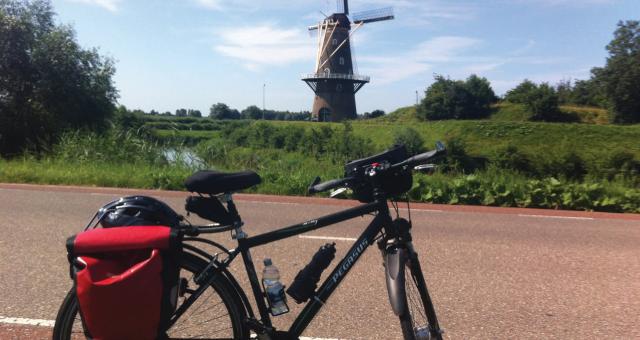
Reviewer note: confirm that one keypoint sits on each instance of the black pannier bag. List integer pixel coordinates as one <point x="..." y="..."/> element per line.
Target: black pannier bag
<point x="392" y="183"/>
<point x="126" y="280"/>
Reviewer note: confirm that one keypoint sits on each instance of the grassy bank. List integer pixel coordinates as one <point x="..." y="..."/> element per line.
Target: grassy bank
<point x="290" y="175"/>
<point x="490" y="162"/>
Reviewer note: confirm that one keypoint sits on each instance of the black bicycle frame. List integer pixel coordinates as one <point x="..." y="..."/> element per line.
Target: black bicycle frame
<point x="382" y="220"/>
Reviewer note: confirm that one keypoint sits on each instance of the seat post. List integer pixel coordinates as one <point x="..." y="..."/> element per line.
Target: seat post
<point x="237" y="223"/>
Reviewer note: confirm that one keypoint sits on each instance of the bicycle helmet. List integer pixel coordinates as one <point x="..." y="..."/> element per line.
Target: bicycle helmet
<point x="137" y="210"/>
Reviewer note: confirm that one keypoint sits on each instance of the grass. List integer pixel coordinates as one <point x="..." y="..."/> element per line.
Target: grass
<point x="106" y="160"/>
<point x="538" y="140"/>
<point x="121" y="175"/>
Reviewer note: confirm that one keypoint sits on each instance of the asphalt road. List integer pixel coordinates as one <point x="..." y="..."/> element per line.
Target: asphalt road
<point x="492" y="273"/>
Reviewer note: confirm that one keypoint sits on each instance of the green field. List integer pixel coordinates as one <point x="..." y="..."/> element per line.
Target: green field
<point x="504" y="160"/>
<point x="540" y="141"/>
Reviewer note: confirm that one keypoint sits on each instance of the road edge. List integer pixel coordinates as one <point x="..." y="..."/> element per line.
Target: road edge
<point x="330" y="201"/>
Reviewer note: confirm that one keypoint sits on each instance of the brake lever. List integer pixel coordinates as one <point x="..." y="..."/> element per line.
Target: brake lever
<point x="338" y="192"/>
<point x="426" y="168"/>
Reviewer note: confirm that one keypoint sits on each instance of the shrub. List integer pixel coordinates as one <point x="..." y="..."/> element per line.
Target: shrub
<point x="570" y="166"/>
<point x="512" y="159"/>
<point x="542" y="102"/>
<point x="449" y="99"/>
<point x="623" y="164"/>
<point x="410" y="138"/>
<point x="457" y="159"/>
<point x="520" y="93"/>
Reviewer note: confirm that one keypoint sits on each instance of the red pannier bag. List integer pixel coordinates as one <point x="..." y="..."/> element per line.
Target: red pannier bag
<point x="125" y="279"/>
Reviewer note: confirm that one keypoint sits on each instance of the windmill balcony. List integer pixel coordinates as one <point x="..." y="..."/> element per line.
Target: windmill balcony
<point x="353" y="77"/>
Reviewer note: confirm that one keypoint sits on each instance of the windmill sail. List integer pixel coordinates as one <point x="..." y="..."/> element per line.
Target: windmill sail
<point x="380" y="14"/>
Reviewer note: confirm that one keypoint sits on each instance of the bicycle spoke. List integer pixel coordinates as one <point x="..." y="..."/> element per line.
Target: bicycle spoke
<point x="199" y="323"/>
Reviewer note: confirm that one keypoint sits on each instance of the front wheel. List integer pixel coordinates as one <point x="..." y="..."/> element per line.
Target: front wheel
<point x="409" y="296"/>
<point x="216" y="314"/>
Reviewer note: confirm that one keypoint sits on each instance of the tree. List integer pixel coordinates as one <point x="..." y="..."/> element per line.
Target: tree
<point x="542" y="102"/>
<point x="181" y="112"/>
<point x="482" y="95"/>
<point x="520" y="93"/>
<point x="588" y="92"/>
<point x="375" y="114"/>
<point x="194" y="113"/>
<point x="48" y="83"/>
<point x="446" y="99"/>
<point x="620" y="77"/>
<point x="252" y="112"/>
<point x="564" y="89"/>
<point x="222" y="111"/>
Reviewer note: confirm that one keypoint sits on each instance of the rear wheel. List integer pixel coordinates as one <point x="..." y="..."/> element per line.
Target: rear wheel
<point x="419" y="320"/>
<point x="217" y="314"/>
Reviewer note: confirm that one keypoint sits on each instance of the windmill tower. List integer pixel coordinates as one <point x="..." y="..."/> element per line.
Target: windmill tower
<point x="333" y="80"/>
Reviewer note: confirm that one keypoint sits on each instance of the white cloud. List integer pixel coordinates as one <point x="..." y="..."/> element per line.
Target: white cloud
<point x="265" y="45"/>
<point x="110" y="5"/>
<point x="210" y="4"/>
<point x="439" y="50"/>
<point x="443" y="49"/>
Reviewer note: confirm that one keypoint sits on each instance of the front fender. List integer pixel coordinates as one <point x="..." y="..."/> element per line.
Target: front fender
<point x="394" y="264"/>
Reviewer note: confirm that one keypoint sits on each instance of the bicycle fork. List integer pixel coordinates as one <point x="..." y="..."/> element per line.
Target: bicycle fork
<point x="399" y="255"/>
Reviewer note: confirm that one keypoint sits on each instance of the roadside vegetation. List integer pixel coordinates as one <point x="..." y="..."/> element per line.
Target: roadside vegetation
<point x="574" y="145"/>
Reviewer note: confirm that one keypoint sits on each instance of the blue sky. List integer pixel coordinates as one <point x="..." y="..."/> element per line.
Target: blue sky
<point x="174" y="54"/>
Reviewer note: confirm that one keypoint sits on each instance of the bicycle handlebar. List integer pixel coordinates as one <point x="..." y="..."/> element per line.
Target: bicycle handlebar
<point x="422" y="158"/>
<point x="334" y="183"/>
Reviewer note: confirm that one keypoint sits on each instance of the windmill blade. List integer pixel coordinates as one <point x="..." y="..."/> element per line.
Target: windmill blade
<point x="380" y="14"/>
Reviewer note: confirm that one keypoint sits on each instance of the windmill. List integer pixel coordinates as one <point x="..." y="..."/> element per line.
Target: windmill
<point x="333" y="80"/>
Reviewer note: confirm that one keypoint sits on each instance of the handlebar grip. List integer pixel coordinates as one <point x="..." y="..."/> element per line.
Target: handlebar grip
<point x="327" y="185"/>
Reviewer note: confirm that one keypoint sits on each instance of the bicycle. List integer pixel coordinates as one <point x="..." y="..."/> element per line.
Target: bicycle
<point x="204" y="275"/>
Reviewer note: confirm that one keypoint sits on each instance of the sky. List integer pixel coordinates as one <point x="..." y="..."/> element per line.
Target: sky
<point x="173" y="54"/>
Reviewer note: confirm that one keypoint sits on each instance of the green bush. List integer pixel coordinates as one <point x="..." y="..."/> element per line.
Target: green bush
<point x="569" y="166"/>
<point x="410" y="138"/>
<point x="511" y="158"/>
<point x="456" y="158"/>
<point x="499" y="188"/>
<point x="449" y="99"/>
<point x="623" y="165"/>
<point x="521" y="93"/>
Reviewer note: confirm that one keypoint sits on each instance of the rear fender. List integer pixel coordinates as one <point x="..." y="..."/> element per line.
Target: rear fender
<point x="394" y="264"/>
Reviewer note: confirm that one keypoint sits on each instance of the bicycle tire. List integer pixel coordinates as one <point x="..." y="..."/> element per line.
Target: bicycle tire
<point x="68" y="325"/>
<point x="418" y="322"/>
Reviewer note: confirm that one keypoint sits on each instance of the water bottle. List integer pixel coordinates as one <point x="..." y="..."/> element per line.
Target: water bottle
<point x="274" y="289"/>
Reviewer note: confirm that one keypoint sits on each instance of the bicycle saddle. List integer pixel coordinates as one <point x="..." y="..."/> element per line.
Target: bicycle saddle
<point x="215" y="182"/>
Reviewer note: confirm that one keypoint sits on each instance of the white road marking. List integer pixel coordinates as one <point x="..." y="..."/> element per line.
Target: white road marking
<point x="425" y="210"/>
<point x="269" y="202"/>
<point x="25" y="321"/>
<point x="101" y="194"/>
<point x="330" y="238"/>
<point x="562" y="217"/>
<point x="50" y="323"/>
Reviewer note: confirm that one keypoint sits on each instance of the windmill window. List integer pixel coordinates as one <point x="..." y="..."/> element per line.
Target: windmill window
<point x="334" y="42"/>
<point x="339" y="87"/>
<point x="341" y="60"/>
<point x="327" y="71"/>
